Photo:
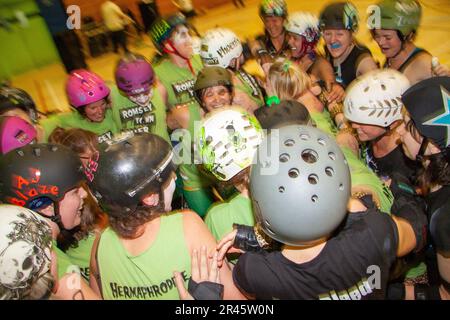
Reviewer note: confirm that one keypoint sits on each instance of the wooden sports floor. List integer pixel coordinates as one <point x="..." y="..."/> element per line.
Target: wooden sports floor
<point x="46" y="84"/>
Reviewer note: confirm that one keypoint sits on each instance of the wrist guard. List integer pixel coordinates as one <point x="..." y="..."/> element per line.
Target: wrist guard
<point x="246" y="239"/>
<point x="205" y="290"/>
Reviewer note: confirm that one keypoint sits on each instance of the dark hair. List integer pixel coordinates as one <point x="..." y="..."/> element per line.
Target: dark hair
<point x="76" y="139"/>
<point x="127" y="226"/>
<point x="200" y="93"/>
<point x="79" y="140"/>
<point x="437" y="172"/>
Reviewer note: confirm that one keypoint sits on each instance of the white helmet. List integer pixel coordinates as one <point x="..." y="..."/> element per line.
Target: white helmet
<point x="25" y="250"/>
<point x="228" y="141"/>
<point x="375" y="98"/>
<point x="304" y="24"/>
<point x="220" y="46"/>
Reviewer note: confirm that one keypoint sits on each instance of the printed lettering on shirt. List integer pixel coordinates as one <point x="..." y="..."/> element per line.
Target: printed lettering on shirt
<point x="105" y="137"/>
<point x="145" y="292"/>
<point x="356" y="292"/>
<point x="130" y="113"/>
<point x="186" y="86"/>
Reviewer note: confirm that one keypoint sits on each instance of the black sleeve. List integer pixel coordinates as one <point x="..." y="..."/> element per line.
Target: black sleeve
<point x="242" y="274"/>
<point x="384" y="232"/>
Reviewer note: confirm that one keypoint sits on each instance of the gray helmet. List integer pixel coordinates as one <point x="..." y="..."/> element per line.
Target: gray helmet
<point x="306" y="198"/>
<point x="130" y="167"/>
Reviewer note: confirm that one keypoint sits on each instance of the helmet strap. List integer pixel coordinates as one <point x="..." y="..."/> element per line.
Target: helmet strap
<point x="174" y="51"/>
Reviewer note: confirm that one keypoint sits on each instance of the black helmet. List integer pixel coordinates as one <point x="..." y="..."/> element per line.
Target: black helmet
<point x="12" y="98"/>
<point x="211" y="77"/>
<point x="129" y="168"/>
<point x="341" y="15"/>
<point x="37" y="171"/>
<point x="428" y="103"/>
<point x="285" y="113"/>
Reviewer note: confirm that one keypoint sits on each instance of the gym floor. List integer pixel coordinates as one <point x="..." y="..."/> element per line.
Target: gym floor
<point x="46" y="84"/>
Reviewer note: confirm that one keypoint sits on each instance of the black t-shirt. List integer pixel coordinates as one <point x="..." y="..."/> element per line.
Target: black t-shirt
<point x="353" y="265"/>
<point x="345" y="72"/>
<point x="395" y="161"/>
<point x="438" y="211"/>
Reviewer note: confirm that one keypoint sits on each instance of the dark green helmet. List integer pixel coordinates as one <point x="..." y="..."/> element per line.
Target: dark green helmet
<point x="211" y="77"/>
<point x="401" y="15"/>
<point x="162" y="29"/>
<point x="342" y="15"/>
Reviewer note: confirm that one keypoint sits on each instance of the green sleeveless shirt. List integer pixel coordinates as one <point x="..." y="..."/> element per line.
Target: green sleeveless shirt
<point x="81" y="255"/>
<point x="149" y="275"/>
<point x="250" y="87"/>
<point x="105" y="130"/>
<point x="133" y="117"/>
<point x="221" y="216"/>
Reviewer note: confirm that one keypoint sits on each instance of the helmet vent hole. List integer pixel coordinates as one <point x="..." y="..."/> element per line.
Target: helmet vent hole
<point x="305" y="136"/>
<point x="321" y="142"/>
<point x="366" y="89"/>
<point x="294" y="173"/>
<point x="329" y="171"/>
<point x="332" y="155"/>
<point x="313" y="179"/>
<point x="314" y="198"/>
<point x="284" y="157"/>
<point x="309" y="156"/>
<point x="341" y="187"/>
<point x="281" y="189"/>
<point x="289" y="143"/>
<point x="383" y="87"/>
<point x="90" y="93"/>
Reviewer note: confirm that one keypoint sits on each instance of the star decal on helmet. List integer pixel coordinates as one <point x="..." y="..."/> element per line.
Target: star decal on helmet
<point x="443" y="119"/>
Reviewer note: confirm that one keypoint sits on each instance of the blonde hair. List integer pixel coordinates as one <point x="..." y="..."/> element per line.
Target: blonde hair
<point x="288" y="81"/>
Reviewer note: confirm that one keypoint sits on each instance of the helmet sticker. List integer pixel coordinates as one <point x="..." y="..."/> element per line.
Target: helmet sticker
<point x="443" y="119"/>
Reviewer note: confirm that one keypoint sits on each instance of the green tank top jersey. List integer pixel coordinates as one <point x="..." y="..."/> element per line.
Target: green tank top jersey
<point x="81" y="255"/>
<point x="149" y="275"/>
<point x="324" y="122"/>
<point x="105" y="130"/>
<point x="65" y="265"/>
<point x="250" y="87"/>
<point x="221" y="216"/>
<point x="133" y="117"/>
<point x="179" y="82"/>
<point x="362" y="176"/>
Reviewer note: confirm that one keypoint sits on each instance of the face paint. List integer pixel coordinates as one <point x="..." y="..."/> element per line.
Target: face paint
<point x="181" y="36"/>
<point x="142" y="99"/>
<point x="335" y="45"/>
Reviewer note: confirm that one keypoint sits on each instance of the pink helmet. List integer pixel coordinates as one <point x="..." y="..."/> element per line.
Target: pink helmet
<point x="15" y="133"/>
<point x="84" y="87"/>
<point x="134" y="74"/>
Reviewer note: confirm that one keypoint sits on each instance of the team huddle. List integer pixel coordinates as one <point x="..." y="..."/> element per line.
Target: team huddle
<point x="325" y="177"/>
